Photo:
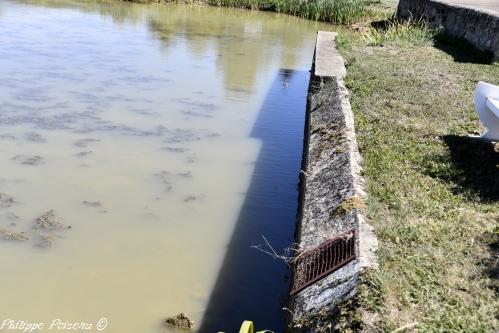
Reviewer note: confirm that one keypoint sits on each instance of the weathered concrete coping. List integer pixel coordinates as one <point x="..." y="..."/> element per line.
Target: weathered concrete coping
<point x="478" y="26"/>
<point x="328" y="62"/>
<point x="333" y="196"/>
<point x="491" y="5"/>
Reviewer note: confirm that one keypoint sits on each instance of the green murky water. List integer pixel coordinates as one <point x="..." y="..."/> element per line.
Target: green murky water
<point x="125" y="153"/>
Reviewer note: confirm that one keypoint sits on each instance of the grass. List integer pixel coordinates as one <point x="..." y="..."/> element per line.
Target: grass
<point x="433" y="193"/>
<point x="394" y="31"/>
<point x="334" y="11"/>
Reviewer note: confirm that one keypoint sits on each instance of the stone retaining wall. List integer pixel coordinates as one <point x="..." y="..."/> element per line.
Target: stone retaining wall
<point x="478" y="26"/>
<point x="333" y="197"/>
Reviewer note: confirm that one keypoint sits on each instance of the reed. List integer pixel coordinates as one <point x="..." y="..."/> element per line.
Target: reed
<point x="411" y="31"/>
<point x="333" y="11"/>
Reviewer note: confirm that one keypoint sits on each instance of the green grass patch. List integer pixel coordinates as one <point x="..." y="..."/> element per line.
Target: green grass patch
<point x="390" y="31"/>
<point x="433" y="192"/>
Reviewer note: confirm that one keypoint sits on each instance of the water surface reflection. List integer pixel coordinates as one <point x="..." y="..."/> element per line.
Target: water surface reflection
<point x="136" y="142"/>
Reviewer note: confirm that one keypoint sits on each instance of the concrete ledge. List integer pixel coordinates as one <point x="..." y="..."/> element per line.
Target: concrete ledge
<point x="333" y="196"/>
<point x="480" y="27"/>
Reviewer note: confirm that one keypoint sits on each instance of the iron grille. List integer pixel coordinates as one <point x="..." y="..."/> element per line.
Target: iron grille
<point x="315" y="264"/>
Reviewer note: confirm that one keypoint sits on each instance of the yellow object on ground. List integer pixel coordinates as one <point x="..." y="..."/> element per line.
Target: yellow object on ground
<point x="247" y="327"/>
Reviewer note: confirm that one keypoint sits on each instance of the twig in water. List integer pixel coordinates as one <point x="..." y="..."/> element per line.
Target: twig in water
<point x="272" y="252"/>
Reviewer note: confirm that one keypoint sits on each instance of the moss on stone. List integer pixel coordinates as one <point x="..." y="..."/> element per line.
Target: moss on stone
<point x="348" y="205"/>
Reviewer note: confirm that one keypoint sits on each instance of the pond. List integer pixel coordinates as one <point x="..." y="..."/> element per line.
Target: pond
<point x="144" y="151"/>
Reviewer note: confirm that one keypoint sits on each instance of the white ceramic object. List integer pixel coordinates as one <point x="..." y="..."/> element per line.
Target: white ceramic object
<point x="487" y="108"/>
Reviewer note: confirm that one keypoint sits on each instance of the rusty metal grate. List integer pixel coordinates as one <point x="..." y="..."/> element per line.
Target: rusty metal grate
<point x="324" y="259"/>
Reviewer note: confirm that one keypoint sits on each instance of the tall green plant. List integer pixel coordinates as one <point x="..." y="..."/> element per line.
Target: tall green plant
<point x="412" y="31"/>
<point x="333" y="11"/>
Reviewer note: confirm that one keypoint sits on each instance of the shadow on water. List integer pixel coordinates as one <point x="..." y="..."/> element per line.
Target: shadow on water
<point x="474" y="167"/>
<point x="252" y="285"/>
